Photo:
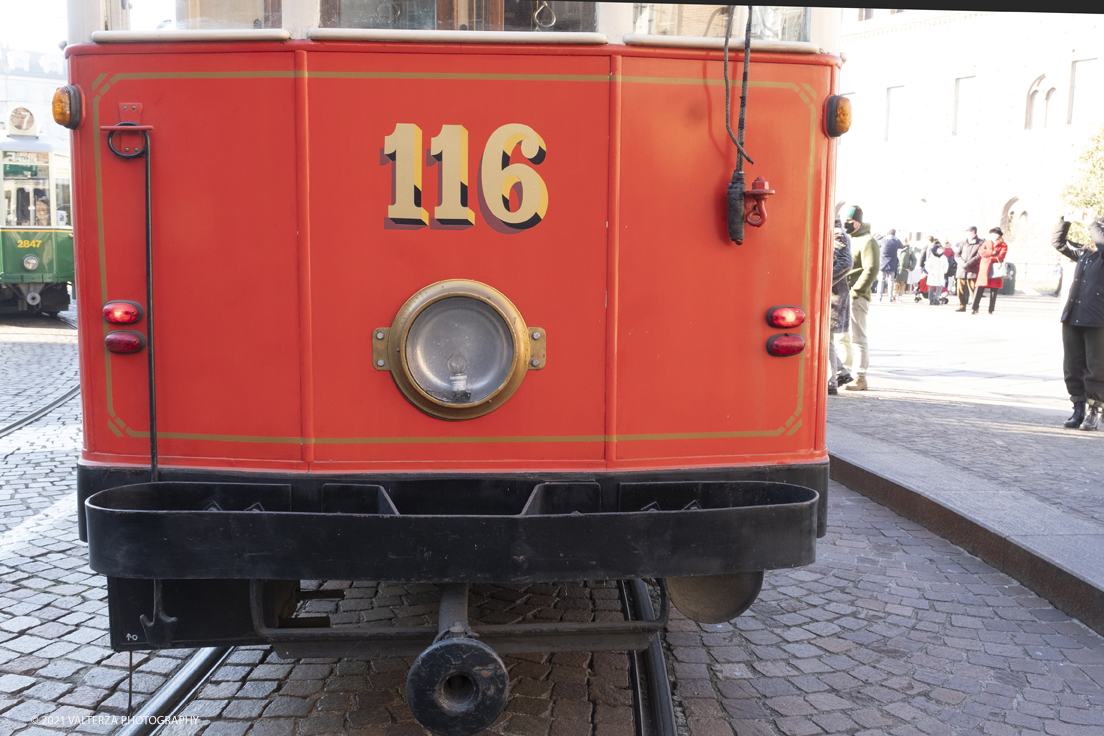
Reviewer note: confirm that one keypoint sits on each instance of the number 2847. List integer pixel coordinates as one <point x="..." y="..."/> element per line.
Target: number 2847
<point x="497" y="176"/>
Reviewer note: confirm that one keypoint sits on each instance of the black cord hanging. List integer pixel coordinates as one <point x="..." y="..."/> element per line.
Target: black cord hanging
<point x="736" y="187"/>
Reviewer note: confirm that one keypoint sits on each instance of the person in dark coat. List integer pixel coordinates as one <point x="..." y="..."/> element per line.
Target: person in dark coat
<point x="1083" y="325"/>
<point x="906" y="261"/>
<point x="890" y="246"/>
<point x="966" y="278"/>
<point x="864" y="272"/>
<point x="840" y="320"/>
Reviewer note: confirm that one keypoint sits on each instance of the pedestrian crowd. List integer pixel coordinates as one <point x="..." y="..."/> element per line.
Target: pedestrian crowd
<point x="865" y="265"/>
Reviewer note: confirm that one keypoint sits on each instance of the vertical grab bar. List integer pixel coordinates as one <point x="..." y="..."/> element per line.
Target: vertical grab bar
<point x="128" y="127"/>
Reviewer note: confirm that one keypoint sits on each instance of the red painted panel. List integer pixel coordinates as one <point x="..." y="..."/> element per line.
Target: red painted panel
<point x="692" y="358"/>
<point x="363" y="269"/>
<point x="224" y="251"/>
<point x="275" y="261"/>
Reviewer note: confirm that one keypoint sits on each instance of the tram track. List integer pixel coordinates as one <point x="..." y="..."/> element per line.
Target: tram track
<point x="42" y="411"/>
<point x="175" y="694"/>
<point x="649" y="686"/>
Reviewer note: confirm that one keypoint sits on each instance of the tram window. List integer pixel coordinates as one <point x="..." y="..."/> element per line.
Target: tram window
<point x="42" y="208"/>
<point x="149" y="15"/>
<point x="460" y="15"/>
<point x="26" y="183"/>
<point x="767" y="22"/>
<point x="64" y="202"/>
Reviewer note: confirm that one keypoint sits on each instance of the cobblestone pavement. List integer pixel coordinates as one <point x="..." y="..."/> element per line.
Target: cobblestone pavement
<point x="38" y="363"/>
<point x="983" y="394"/>
<point x="55" y="663"/>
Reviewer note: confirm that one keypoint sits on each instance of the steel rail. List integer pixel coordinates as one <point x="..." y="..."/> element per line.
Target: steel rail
<point x="648" y="671"/>
<point x="39" y="413"/>
<point x="42" y="411"/>
<point x="171" y="698"/>
<point x="654" y="666"/>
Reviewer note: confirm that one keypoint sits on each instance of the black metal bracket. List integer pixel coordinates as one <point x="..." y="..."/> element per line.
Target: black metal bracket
<point x="159" y="630"/>
<point x="406" y="641"/>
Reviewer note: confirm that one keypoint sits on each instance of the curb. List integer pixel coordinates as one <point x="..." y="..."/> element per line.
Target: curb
<point x="1066" y="590"/>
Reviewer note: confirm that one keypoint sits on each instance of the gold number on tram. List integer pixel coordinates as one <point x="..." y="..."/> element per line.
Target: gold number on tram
<point x="450" y="150"/>
<point x="500" y="177"/>
<point x="403" y="147"/>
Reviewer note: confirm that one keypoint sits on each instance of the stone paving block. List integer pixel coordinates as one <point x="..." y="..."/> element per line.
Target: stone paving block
<point x="287" y="706"/>
<point x="242" y="708"/>
<point x="19" y="624"/>
<point x="15" y="683"/>
<point x="28" y="711"/>
<point x="302" y="688"/>
<point x="226" y="728"/>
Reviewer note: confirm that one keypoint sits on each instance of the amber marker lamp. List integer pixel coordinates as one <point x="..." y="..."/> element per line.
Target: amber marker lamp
<point x="66" y="106"/>
<point x="837" y="115"/>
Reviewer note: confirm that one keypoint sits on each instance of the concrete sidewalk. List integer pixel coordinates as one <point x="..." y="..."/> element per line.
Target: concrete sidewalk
<point x="961" y="431"/>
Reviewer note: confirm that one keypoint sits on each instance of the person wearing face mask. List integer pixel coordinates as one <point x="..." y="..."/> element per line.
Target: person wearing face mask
<point x="936" y="265"/>
<point x="992" y="252"/>
<point x="1083" y="323"/>
<point x="966" y="270"/>
<point x="866" y="258"/>
<point x="840" y="302"/>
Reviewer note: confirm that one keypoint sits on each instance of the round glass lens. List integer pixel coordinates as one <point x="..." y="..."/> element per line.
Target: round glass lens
<point x="459" y="350"/>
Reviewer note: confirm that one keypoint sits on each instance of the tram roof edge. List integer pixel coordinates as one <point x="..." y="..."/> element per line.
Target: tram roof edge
<point x="264" y="34"/>
<point x="736" y="44"/>
<point x="401" y="36"/>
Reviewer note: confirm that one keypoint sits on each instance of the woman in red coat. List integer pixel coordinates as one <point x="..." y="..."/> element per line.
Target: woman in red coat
<point x="992" y="251"/>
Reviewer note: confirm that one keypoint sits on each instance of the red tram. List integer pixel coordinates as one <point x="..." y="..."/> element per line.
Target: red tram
<point x="444" y="297"/>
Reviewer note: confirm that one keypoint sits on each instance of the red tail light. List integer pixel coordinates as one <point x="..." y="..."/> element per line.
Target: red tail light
<point x="786" y="317"/>
<point x="124" y="341"/>
<point x="122" y="312"/>
<point x="783" y="345"/>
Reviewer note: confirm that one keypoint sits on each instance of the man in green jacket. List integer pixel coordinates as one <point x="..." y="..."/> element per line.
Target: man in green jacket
<point x="865" y="254"/>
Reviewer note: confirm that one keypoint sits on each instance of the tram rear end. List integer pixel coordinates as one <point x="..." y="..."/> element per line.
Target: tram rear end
<point x="448" y="309"/>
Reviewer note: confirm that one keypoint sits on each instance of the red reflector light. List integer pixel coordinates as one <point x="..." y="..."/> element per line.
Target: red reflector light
<point x="783" y="345"/>
<point x="122" y="312"/>
<point x="124" y="341"/>
<point x="786" y="317"/>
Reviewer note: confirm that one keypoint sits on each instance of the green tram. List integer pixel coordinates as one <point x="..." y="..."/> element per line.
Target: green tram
<point x="36" y="226"/>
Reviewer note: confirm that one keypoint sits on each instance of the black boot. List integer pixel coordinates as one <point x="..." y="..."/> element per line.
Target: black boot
<point x="1077" y="417"/>
<point x="1092" y="418"/>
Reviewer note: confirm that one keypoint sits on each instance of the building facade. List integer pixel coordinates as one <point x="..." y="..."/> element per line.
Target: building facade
<point x="27" y="82"/>
<point x="969" y="118"/>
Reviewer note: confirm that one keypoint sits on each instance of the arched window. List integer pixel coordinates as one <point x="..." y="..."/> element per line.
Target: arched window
<point x="1035" y="114"/>
<point x="1008" y="217"/>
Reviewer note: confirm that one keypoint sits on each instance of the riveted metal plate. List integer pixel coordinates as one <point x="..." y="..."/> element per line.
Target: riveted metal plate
<point x="538" y="340"/>
<point x="381" y="361"/>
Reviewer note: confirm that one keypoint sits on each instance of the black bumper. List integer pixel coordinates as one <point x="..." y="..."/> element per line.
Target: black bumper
<point x="231" y="531"/>
<point x="489" y="529"/>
